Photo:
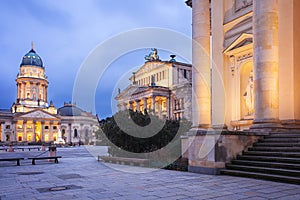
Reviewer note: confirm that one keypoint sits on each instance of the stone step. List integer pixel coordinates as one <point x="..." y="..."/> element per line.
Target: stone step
<point x="279" y="165"/>
<point x="273" y="153"/>
<point x="275" y="149"/>
<point x="266" y="170"/>
<point x="283" y="136"/>
<point x="288" y="132"/>
<point x="272" y="177"/>
<point x="273" y="144"/>
<point x="269" y="159"/>
<point x="280" y="140"/>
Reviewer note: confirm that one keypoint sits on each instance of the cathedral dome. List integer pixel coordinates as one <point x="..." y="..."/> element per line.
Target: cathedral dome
<point x="32" y="58"/>
<point x="70" y="110"/>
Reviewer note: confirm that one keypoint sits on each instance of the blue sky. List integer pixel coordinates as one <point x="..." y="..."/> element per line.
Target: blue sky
<point x="66" y="31"/>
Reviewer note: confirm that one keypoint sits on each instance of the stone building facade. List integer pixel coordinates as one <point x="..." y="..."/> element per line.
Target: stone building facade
<point x="160" y="87"/>
<point x="251" y="85"/>
<point x="32" y="119"/>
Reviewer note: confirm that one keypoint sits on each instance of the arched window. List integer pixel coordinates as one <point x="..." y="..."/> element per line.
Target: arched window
<point x="75" y="133"/>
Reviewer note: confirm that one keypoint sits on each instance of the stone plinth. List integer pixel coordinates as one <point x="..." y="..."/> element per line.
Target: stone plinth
<point x="209" y="152"/>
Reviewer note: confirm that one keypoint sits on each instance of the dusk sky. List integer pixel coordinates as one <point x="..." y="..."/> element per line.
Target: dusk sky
<point x="65" y="32"/>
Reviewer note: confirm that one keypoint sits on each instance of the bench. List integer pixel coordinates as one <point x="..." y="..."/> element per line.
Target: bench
<point x="127" y="161"/>
<point x="3" y="148"/>
<point x="12" y="159"/>
<point x="29" y="148"/>
<point x="44" y="158"/>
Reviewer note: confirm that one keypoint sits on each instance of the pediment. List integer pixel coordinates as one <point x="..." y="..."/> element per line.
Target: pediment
<point x="38" y="114"/>
<point x="244" y="41"/>
<point x="149" y="66"/>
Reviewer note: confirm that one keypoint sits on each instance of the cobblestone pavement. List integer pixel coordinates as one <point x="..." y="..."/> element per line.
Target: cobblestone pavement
<point x="78" y="175"/>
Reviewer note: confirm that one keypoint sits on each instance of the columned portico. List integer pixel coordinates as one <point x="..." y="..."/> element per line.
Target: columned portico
<point x="266" y="93"/>
<point x="201" y="65"/>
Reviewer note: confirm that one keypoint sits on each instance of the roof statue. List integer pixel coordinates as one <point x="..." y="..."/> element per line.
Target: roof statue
<point x="153" y="56"/>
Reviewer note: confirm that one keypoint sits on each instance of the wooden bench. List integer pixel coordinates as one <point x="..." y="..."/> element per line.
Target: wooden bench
<point x="127" y="161"/>
<point x="29" y="148"/>
<point x="44" y="158"/>
<point x="12" y="159"/>
<point x="3" y="148"/>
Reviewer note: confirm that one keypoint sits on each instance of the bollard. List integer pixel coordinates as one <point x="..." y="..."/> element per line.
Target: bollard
<point x="10" y="148"/>
<point x="52" y="152"/>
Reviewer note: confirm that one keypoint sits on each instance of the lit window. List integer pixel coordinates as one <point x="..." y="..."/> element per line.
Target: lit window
<point x="29" y="137"/>
<point x="20" y="126"/>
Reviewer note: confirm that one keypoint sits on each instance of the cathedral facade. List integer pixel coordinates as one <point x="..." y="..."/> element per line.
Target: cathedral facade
<point x="159" y="87"/>
<point x="32" y="119"/>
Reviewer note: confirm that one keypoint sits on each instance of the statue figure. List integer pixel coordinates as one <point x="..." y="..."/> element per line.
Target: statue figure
<point x="249" y="95"/>
<point x="152" y="56"/>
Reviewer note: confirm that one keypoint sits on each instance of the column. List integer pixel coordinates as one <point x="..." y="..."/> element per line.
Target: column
<point x="51" y="131"/>
<point x="70" y="133"/>
<point x="138" y="105"/>
<point x="3" y="138"/>
<point x="46" y="94"/>
<point x="130" y="105"/>
<point x="23" y="90"/>
<point x="266" y="96"/>
<point x="145" y="104"/>
<point x="168" y="108"/>
<point x="24" y="130"/>
<point x="201" y="65"/>
<point x="153" y="104"/>
<point x="34" y="134"/>
<point x="42" y="133"/>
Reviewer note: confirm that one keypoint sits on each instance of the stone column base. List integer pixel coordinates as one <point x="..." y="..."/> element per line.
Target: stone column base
<point x="291" y="124"/>
<point x="266" y="124"/>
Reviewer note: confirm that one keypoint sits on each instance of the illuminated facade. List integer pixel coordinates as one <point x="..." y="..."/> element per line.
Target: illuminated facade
<point x="254" y="48"/>
<point x="32" y="119"/>
<point x="162" y="88"/>
<point x="245" y="68"/>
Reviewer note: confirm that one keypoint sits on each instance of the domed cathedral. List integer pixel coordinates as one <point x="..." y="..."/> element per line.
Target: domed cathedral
<point x="32" y="85"/>
<point x="32" y="119"/>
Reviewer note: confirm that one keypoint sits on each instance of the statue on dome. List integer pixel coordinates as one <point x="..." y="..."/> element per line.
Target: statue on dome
<point x="153" y="56"/>
<point x="249" y="95"/>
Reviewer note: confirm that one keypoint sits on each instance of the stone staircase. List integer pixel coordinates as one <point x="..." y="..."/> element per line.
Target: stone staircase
<point x="276" y="157"/>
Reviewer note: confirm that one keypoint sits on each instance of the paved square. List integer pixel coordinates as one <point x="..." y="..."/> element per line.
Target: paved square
<point x="78" y="175"/>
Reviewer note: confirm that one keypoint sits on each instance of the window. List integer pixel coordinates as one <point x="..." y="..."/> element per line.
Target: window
<point x="184" y="73"/>
<point x="7" y="127"/>
<point x="29" y="137"/>
<point x="29" y="126"/>
<point x="75" y="133"/>
<point x="54" y="127"/>
<point x="20" y="137"/>
<point x="47" y="127"/>
<point x="19" y="126"/>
